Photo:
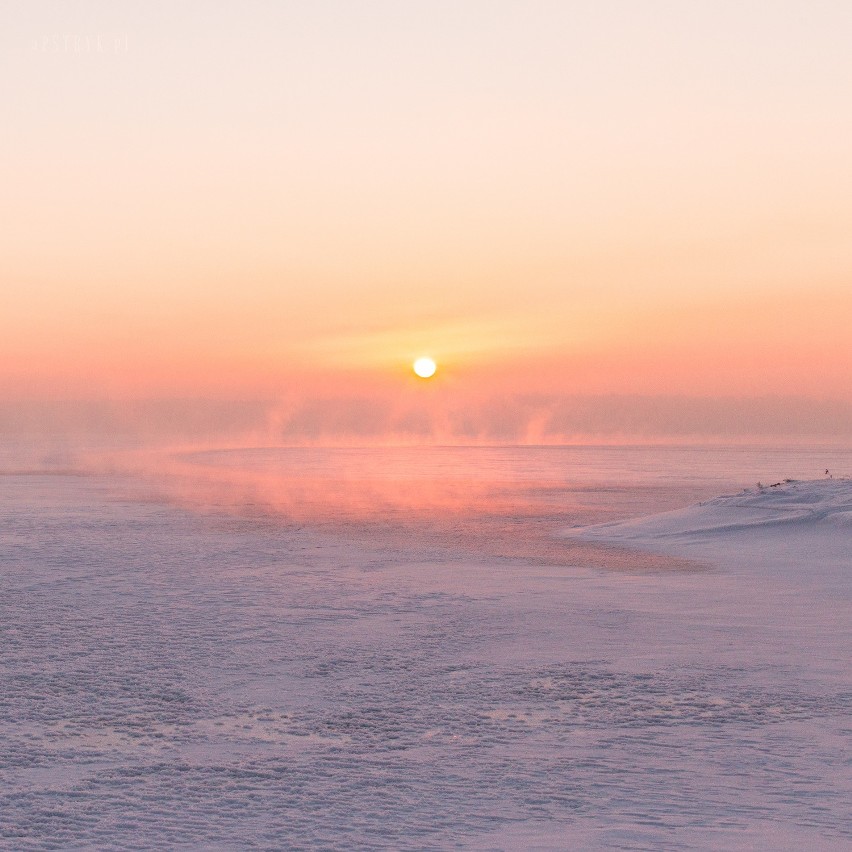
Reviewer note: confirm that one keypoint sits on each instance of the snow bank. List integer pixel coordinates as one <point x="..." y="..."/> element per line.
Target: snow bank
<point x="798" y="530"/>
<point x="785" y="507"/>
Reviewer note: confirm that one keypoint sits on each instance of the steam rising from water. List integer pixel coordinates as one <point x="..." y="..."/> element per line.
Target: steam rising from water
<point x="506" y="502"/>
<point x="440" y="416"/>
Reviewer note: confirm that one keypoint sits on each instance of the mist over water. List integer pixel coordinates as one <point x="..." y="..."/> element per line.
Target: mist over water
<point x="446" y="415"/>
<point x="500" y="502"/>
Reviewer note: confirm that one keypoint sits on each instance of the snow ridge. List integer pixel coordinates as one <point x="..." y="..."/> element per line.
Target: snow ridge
<point x="808" y="504"/>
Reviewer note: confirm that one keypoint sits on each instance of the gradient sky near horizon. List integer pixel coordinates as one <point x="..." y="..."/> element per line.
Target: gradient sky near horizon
<point x="243" y="198"/>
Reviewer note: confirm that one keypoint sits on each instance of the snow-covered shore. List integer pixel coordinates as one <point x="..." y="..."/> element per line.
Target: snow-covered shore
<point x="766" y="507"/>
<point x="791" y="525"/>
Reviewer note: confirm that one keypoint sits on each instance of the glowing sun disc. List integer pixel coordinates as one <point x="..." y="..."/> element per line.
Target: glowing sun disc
<point x="425" y="367"/>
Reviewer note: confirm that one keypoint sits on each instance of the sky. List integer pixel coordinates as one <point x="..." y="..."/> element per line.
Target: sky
<point x="556" y="201"/>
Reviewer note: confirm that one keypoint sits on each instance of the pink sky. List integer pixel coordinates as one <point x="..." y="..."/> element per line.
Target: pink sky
<point x="293" y="201"/>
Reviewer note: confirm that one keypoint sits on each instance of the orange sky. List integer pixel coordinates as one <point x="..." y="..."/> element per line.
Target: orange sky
<point x="251" y="199"/>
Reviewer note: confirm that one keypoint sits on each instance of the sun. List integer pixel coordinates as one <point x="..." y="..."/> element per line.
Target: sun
<point x="425" y="368"/>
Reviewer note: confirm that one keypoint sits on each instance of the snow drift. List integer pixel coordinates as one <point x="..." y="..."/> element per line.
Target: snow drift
<point x="782" y="507"/>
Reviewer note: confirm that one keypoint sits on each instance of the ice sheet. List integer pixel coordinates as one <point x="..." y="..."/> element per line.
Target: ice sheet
<point x="182" y="679"/>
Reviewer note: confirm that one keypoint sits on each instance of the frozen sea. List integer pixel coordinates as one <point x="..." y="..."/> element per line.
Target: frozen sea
<point x="422" y="648"/>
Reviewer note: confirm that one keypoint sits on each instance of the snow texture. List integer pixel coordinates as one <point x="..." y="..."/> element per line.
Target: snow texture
<point x="171" y="679"/>
<point x="790" y="505"/>
<point x="798" y="530"/>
